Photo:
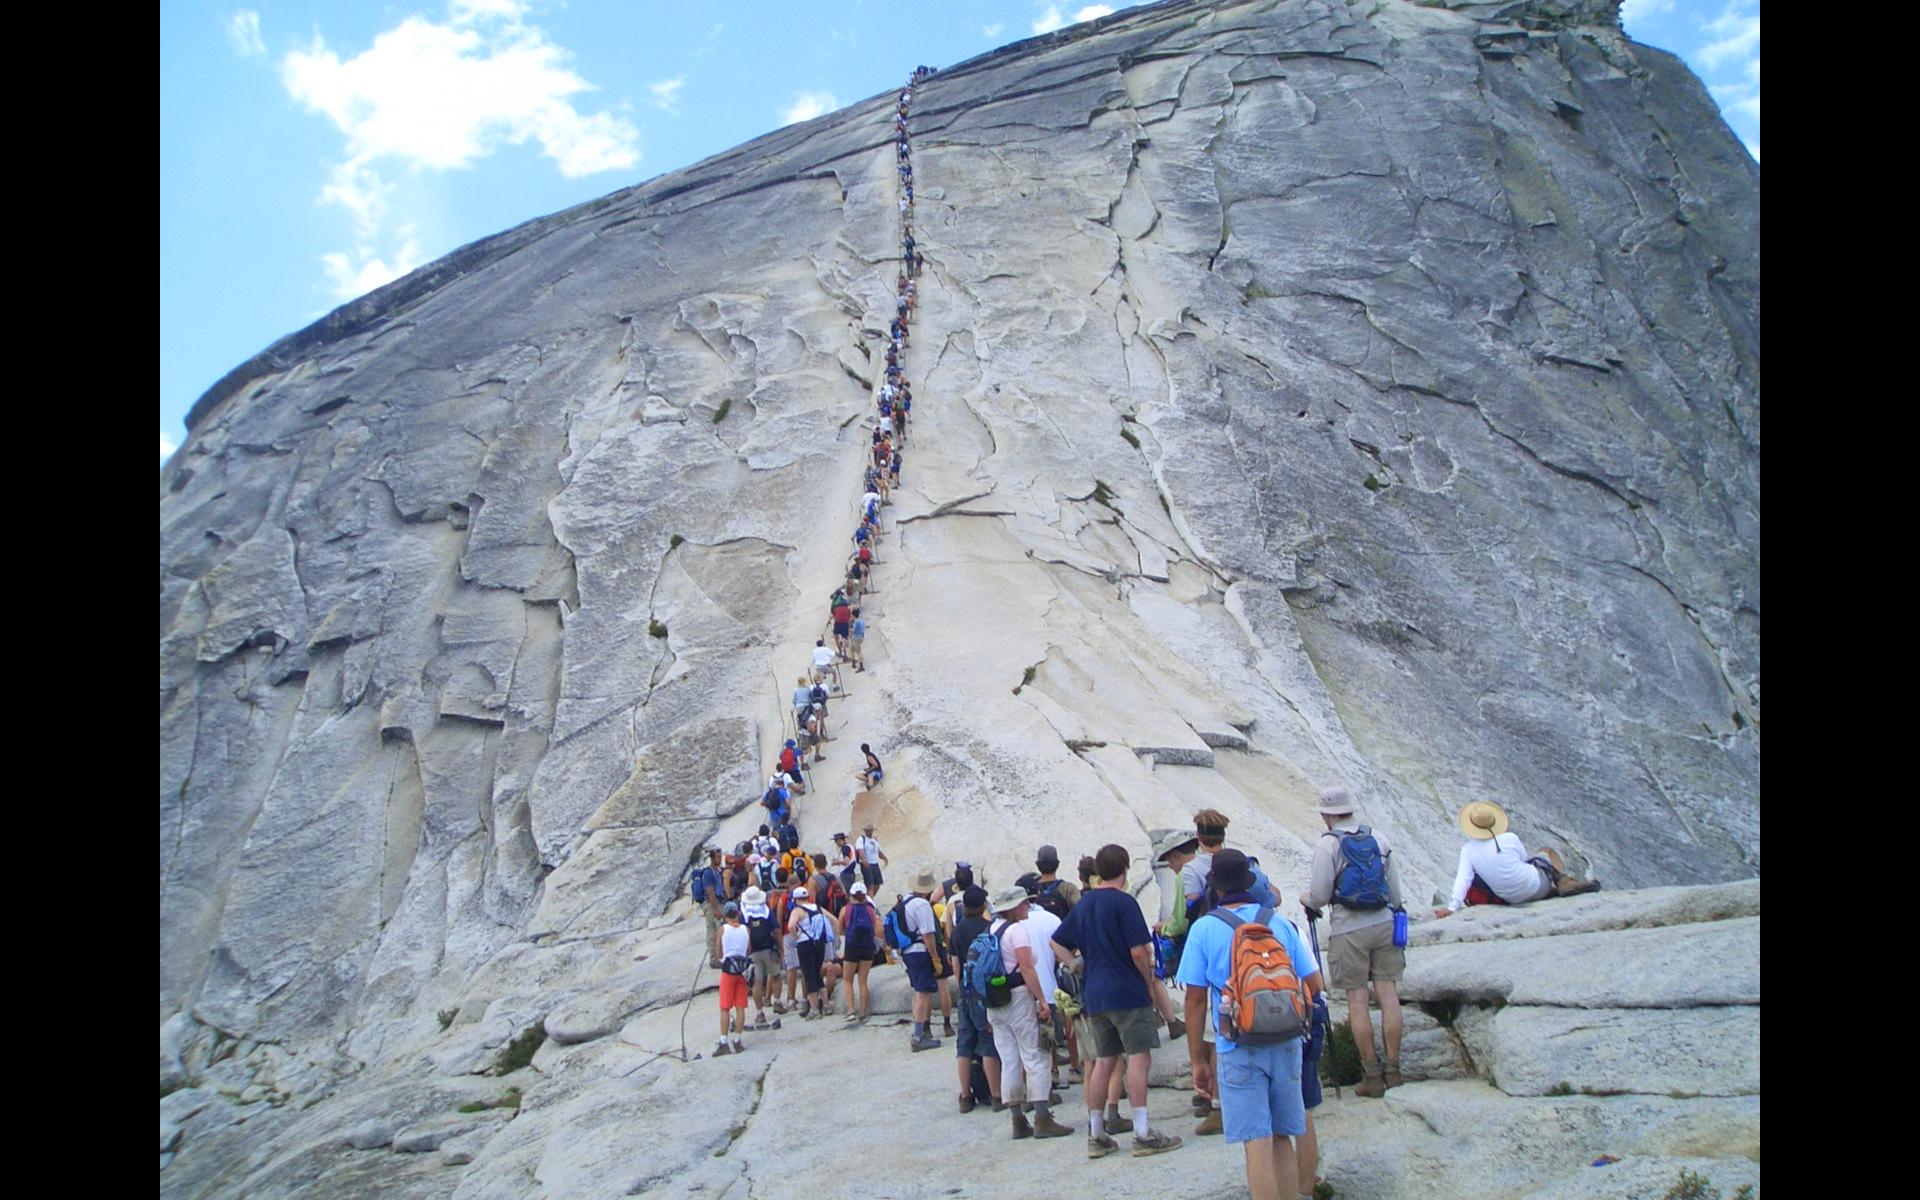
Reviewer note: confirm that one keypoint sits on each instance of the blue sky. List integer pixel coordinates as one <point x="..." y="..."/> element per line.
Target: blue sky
<point x="311" y="151"/>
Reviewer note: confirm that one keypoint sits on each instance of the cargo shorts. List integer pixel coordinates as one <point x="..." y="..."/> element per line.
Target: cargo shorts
<point x="1360" y="955"/>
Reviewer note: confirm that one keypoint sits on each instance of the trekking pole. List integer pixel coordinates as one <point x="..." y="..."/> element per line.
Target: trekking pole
<point x="1313" y="932"/>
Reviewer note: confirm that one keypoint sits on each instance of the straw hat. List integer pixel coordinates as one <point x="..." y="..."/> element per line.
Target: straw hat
<point x="1483" y="819"/>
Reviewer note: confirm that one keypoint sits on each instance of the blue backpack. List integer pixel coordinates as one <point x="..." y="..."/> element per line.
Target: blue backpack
<point x="701" y="884"/>
<point x="985" y="976"/>
<point x="1360" y="882"/>
<point x="897" y="935"/>
<point x="859" y="933"/>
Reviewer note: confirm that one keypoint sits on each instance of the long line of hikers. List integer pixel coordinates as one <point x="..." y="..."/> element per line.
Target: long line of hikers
<point x="1051" y="973"/>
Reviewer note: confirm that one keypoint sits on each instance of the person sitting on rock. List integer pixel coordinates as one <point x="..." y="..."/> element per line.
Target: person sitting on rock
<point x="870" y="774"/>
<point x="1496" y="869"/>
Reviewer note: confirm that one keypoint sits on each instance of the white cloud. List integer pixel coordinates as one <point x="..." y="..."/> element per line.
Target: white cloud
<point x="1736" y="33"/>
<point x="1051" y="19"/>
<point x="243" y="33"/>
<point x="992" y="31"/>
<point x="807" y="106"/>
<point x="166" y="445"/>
<point x="666" y="94"/>
<point x="1633" y="11"/>
<point x="360" y="272"/>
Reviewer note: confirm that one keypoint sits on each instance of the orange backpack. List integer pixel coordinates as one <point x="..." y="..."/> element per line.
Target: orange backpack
<point x="1264" y="1002"/>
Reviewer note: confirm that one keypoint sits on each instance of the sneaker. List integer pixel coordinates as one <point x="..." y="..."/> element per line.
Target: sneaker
<point x="1390" y="1076"/>
<point x="1048" y="1127"/>
<point x="1372" y="1087"/>
<point x="775" y="1024"/>
<point x="739" y="1047"/>
<point x="1021" y="1129"/>
<point x="924" y="1043"/>
<point x="852" y="1018"/>
<point x="1210" y="1123"/>
<point x="1100" y="1147"/>
<point x="966" y="1103"/>
<point x="1154" y="1143"/>
<point x="1115" y="1123"/>
<point x="722" y="1048"/>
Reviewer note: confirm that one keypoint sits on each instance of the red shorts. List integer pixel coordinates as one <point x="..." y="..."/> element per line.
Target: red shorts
<point x="733" y="991"/>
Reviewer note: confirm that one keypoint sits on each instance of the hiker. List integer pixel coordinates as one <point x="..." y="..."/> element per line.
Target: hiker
<point x="814" y="931"/>
<point x="870" y="774"/>
<point x="1210" y="829"/>
<point x="736" y="965"/>
<point x="872" y="858"/>
<point x="709" y="892"/>
<point x="775" y="800"/>
<point x="1353" y="869"/>
<point x="860" y="924"/>
<point x="763" y="945"/>
<point x="1496" y="869"/>
<point x="802" y="695"/>
<point x="975" y="1037"/>
<point x="790" y="761"/>
<point x="1050" y="892"/>
<point x="1024" y="1066"/>
<point x="893" y="473"/>
<point x="857" y="642"/>
<point x="842" y="626"/>
<point x="919" y="959"/>
<point x="1259" y="1086"/>
<point x="823" y="664"/>
<point x="812" y="730"/>
<point x="1109" y="933"/>
<point x="844" y="861"/>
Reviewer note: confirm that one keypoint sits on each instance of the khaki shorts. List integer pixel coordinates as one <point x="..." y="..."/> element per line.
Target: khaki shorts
<point x="1359" y="955"/>
<point x="1124" y="1031"/>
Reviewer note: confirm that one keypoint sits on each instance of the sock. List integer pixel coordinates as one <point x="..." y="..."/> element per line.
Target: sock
<point x="1094" y="1126"/>
<point x="1113" y="1112"/>
<point x="1139" y="1122"/>
<point x="1042" y="1112"/>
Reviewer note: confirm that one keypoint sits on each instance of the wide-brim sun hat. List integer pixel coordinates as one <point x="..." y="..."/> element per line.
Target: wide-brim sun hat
<point x="1008" y="898"/>
<point x="1173" y="839"/>
<point x="754" y="897"/>
<point x="1335" y="802"/>
<point x="1483" y="819"/>
<point x="925" y="882"/>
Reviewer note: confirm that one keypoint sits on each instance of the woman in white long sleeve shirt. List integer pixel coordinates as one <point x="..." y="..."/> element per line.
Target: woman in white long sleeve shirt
<point x="1500" y="861"/>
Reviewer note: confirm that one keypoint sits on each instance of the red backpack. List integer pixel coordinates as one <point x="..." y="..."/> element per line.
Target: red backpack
<point x="1263" y="1003"/>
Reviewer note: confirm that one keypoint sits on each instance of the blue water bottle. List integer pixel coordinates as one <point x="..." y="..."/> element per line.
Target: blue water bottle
<point x="1400" y="928"/>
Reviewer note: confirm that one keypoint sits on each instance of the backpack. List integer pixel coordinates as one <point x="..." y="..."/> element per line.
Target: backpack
<point x="761" y="934"/>
<point x="771" y="799"/>
<point x="766" y="874"/>
<point x="860" y="932"/>
<point x="814" y="926"/>
<point x="1051" y="899"/>
<point x="835" y="899"/>
<point x="1263" y="1002"/>
<point x="897" y="935"/>
<point x="820" y="698"/>
<point x="789" y="836"/>
<point x="701" y="884"/>
<point x="985" y="975"/>
<point x="788" y="762"/>
<point x="1360" y="881"/>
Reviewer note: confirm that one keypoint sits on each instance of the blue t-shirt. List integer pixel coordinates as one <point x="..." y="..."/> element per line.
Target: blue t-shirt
<point x="1205" y="961"/>
<point x="1104" y="927"/>
<point x="859" y="627"/>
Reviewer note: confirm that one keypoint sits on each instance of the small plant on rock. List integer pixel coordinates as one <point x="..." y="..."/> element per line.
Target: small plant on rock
<point x="508" y="1099"/>
<point x="1563" y="1088"/>
<point x="519" y="1051"/>
<point x="1691" y="1186"/>
<point x="446" y="1016"/>
<point x="673" y="543"/>
<point x="1323" y="1190"/>
<point x="1340" y="1064"/>
<point x="656" y="628"/>
<point x="1131" y="439"/>
<point x="720" y="414"/>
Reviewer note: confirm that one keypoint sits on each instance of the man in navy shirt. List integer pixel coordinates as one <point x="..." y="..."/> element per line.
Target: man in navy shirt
<point x="1109" y="933"/>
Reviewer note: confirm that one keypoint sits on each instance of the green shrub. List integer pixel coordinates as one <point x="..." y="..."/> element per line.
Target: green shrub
<point x="720" y="414"/>
<point x="1691" y="1186"/>
<point x="1374" y="483"/>
<point x="1131" y="439"/>
<point x="1026" y="679"/>
<point x="1102" y="494"/>
<point x="1340" y="1061"/>
<point x="1323" y="1191"/>
<point x="508" y="1099"/>
<point x="446" y="1016"/>
<point x="1446" y="1012"/>
<point x="519" y="1051"/>
<point x="1563" y="1088"/>
<point x="673" y="543"/>
<point x="656" y="628"/>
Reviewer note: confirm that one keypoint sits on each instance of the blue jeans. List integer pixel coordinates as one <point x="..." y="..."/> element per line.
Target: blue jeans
<point x="1260" y="1092"/>
<point x="972" y="1037"/>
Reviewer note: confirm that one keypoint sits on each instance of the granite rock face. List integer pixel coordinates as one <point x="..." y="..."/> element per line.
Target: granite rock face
<point x="1306" y="392"/>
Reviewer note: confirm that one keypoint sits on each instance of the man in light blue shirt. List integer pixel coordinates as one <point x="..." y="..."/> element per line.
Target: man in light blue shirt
<point x="1258" y="1086"/>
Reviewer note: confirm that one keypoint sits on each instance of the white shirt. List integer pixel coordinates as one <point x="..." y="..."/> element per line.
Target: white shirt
<point x="734" y="941"/>
<point x="1502" y="863"/>
<point x="919" y="921"/>
<point x="823" y="656"/>
<point x="1042" y="925"/>
<point x="873" y="498"/>
<point x="886" y="427"/>
<point x="868" y="849"/>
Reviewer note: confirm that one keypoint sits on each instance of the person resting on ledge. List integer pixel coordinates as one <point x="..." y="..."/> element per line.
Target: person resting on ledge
<point x="1496" y="869"/>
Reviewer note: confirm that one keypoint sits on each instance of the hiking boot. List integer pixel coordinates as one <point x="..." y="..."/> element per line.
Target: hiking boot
<point x="774" y="1024"/>
<point x="1575" y="887"/>
<point x="924" y="1043"/>
<point x="1372" y="1087"/>
<point x="1021" y="1129"/>
<point x="1390" y="1075"/>
<point x="946" y="1029"/>
<point x="722" y="1048"/>
<point x="1154" y="1143"/>
<point x="966" y="1103"/>
<point x="1209" y="1124"/>
<point x="739" y="1047"/>
<point x="1176" y="1029"/>
<point x="999" y="1106"/>
<point x="1100" y="1147"/>
<point x="1046" y="1126"/>
<point x="1115" y="1123"/>
<point x="1200" y="1105"/>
